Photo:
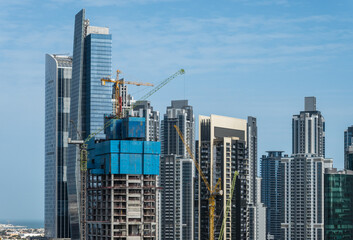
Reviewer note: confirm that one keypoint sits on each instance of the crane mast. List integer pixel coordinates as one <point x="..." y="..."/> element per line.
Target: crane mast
<point x="213" y="190"/>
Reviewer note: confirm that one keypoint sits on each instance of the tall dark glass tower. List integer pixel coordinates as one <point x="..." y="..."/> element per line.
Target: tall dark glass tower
<point x="57" y="111"/>
<point x="338" y="204"/>
<point x="272" y="191"/>
<point x="92" y="60"/>
<point x="348" y="148"/>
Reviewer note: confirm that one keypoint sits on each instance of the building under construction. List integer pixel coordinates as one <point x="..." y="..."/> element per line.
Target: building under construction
<point x="122" y="188"/>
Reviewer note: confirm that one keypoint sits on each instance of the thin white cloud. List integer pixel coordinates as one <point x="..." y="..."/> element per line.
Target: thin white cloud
<point x="217" y="43"/>
<point x="263" y="2"/>
<point x="104" y="3"/>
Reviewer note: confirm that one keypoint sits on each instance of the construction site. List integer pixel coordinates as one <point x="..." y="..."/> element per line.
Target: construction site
<point x="116" y="149"/>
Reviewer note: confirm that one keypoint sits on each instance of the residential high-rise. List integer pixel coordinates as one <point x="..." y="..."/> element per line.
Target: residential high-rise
<point x="122" y="191"/>
<point x="57" y="116"/>
<point x="257" y="216"/>
<point x="177" y="173"/>
<point x="92" y="60"/>
<point x="309" y="130"/>
<point x="145" y="110"/>
<point x="338" y="204"/>
<point x="222" y="151"/>
<point x="348" y="148"/>
<point x="304" y="176"/>
<point x="257" y="220"/>
<point x="252" y="155"/>
<point x="272" y="192"/>
<point x="177" y="205"/>
<point x="180" y="114"/>
<point x="304" y="196"/>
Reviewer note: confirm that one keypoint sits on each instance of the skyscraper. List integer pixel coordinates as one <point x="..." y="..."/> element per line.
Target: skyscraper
<point x="177" y="173"/>
<point x="338" y="204"/>
<point x="257" y="216"/>
<point x="145" y="110"/>
<point x="348" y="148"/>
<point x="180" y="114"/>
<point x="177" y="206"/>
<point x="89" y="100"/>
<point x="309" y="130"/>
<point x="222" y="151"/>
<point x="252" y="155"/>
<point x="304" y="196"/>
<point x="304" y="176"/>
<point x="57" y="114"/>
<point x="272" y="192"/>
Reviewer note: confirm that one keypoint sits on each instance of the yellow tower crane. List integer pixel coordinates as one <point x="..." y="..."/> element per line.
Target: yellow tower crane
<point x="82" y="144"/>
<point x="118" y="84"/>
<point x="213" y="191"/>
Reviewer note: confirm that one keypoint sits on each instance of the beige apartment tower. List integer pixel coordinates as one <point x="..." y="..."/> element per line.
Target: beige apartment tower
<point x="221" y="152"/>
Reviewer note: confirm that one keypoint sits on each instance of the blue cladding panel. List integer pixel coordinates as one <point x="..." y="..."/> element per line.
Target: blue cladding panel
<point x="106" y="147"/>
<point x="130" y="163"/>
<point x="106" y="164"/>
<point x="113" y="131"/>
<point x="97" y="171"/>
<point x="151" y="164"/>
<point x="152" y="147"/>
<point x="114" y="161"/>
<point x="131" y="146"/>
<point x="124" y="157"/>
<point x="114" y="146"/>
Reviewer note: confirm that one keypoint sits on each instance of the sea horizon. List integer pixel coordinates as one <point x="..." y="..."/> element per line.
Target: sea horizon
<point x="34" y="223"/>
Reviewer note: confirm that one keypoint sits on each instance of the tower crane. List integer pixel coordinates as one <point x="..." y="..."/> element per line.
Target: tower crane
<point x="118" y="84"/>
<point x="213" y="190"/>
<point x="82" y="143"/>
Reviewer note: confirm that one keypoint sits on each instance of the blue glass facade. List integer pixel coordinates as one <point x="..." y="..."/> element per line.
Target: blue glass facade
<point x="98" y="62"/>
<point x="90" y="101"/>
<point x="272" y="192"/>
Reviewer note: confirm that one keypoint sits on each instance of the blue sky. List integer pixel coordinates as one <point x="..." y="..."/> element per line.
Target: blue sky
<point x="242" y="57"/>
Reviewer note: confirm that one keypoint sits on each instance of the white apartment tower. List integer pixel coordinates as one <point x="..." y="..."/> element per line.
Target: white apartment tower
<point x="309" y="130"/>
<point x="304" y="176"/>
<point x="304" y="196"/>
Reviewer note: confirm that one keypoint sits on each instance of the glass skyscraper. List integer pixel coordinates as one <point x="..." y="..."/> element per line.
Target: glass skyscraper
<point x="348" y="148"/>
<point x="58" y="70"/>
<point x="92" y="60"/>
<point x="272" y="190"/>
<point x="338" y="204"/>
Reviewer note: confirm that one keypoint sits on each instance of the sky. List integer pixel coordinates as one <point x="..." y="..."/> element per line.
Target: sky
<point x="242" y="58"/>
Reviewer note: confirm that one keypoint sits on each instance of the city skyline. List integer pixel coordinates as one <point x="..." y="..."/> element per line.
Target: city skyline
<point x="253" y="86"/>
